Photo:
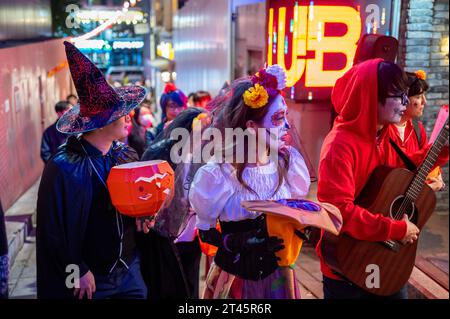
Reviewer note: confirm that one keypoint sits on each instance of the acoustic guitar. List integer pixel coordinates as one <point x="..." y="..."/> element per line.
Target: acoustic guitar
<point x="383" y="268"/>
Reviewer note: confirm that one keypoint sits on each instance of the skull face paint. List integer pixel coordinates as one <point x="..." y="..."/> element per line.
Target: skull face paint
<point x="275" y="121"/>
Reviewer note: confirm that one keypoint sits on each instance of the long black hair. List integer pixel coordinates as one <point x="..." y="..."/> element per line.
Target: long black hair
<point x="160" y="148"/>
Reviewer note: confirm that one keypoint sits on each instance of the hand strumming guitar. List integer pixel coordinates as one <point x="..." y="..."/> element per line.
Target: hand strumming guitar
<point x="412" y="232"/>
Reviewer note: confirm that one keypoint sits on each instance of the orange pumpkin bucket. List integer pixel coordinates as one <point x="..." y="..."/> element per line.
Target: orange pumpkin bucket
<point x="139" y="189"/>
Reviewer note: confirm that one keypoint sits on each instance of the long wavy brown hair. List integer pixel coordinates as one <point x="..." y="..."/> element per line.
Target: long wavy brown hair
<point x="230" y="111"/>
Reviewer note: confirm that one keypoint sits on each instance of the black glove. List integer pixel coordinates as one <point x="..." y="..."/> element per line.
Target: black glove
<point x="273" y="244"/>
<point x="252" y="240"/>
<point x="211" y="236"/>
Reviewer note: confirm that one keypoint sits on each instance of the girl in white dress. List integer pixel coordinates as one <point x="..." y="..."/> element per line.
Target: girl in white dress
<point x="245" y="265"/>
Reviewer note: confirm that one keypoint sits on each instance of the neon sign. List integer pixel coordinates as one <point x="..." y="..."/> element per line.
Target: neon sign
<point x="315" y="41"/>
<point x="88" y="16"/>
<point x="165" y="50"/>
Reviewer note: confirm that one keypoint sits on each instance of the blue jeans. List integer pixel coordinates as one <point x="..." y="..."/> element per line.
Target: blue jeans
<point x="122" y="283"/>
<point x="340" y="289"/>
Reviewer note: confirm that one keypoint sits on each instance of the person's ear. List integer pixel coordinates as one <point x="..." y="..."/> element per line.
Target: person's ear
<point x="251" y="126"/>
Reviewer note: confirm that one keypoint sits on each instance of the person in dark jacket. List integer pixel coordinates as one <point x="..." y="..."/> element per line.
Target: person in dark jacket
<point x="52" y="138"/>
<point x="4" y="269"/>
<point x="84" y="247"/>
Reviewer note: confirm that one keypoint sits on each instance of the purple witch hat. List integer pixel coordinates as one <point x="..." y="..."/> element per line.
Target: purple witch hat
<point x="99" y="103"/>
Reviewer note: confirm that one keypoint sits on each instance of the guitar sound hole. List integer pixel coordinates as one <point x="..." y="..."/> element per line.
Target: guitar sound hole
<point x="401" y="206"/>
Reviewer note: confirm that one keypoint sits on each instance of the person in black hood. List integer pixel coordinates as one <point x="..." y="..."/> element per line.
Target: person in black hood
<point x="170" y="251"/>
<point x="84" y="247"/>
<point x="52" y="138"/>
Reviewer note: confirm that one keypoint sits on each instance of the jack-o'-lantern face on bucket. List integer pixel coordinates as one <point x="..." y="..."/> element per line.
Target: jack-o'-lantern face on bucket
<point x="148" y="187"/>
<point x="139" y="189"/>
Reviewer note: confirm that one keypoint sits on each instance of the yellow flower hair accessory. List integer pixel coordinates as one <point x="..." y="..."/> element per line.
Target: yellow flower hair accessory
<point x="256" y="97"/>
<point x="200" y="121"/>
<point x="421" y="74"/>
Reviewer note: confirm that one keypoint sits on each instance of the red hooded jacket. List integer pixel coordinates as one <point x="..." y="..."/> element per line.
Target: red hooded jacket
<point x="350" y="153"/>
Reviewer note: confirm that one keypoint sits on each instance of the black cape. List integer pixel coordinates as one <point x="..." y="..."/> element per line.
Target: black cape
<point x="51" y="140"/>
<point x="64" y="202"/>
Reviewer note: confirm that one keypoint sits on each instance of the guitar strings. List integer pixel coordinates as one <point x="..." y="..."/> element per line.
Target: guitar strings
<point x="416" y="188"/>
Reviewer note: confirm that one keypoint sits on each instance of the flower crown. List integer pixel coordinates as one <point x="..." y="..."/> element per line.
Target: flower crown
<point x="421" y="74"/>
<point x="267" y="84"/>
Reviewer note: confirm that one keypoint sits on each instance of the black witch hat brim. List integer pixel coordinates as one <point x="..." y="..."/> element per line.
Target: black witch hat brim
<point x="72" y="122"/>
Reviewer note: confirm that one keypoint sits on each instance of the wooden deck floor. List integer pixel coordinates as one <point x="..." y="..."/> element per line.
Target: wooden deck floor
<point x="307" y="271"/>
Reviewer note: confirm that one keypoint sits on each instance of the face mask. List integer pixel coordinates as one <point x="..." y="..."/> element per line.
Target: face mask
<point x="146" y="120"/>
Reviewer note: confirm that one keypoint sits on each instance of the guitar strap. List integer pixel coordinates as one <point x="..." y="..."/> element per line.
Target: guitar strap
<point x="405" y="159"/>
<point x="416" y="128"/>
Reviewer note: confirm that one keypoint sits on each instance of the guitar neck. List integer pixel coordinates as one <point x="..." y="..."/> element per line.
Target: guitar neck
<point x="425" y="168"/>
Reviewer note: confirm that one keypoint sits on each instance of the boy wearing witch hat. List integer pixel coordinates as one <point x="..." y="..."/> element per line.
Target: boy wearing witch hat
<point x="85" y="248"/>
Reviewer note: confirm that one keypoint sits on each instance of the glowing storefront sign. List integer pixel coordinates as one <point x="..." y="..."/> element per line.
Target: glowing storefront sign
<point x="128" y="45"/>
<point x="88" y="16"/>
<point x="315" y="41"/>
<point x="165" y="50"/>
<point x="90" y="44"/>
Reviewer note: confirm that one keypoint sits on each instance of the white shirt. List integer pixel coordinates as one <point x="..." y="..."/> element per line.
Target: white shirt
<point x="401" y="131"/>
<point x="216" y="193"/>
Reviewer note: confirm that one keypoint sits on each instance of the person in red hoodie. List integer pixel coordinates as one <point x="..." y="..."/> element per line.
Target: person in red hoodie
<point x="410" y="134"/>
<point x="369" y="96"/>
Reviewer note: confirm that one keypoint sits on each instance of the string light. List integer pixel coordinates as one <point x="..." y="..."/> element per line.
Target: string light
<point x="104" y="25"/>
<point x="99" y="29"/>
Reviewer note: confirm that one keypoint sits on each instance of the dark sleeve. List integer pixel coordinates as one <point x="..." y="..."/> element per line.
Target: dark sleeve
<point x="158" y="130"/>
<point x="137" y="143"/>
<point x="46" y="151"/>
<point x="59" y="225"/>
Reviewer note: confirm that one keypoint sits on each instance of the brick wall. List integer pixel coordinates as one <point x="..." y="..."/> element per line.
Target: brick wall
<point x="425" y="26"/>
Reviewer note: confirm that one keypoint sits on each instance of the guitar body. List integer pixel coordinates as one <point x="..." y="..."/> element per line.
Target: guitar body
<point x="354" y="259"/>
